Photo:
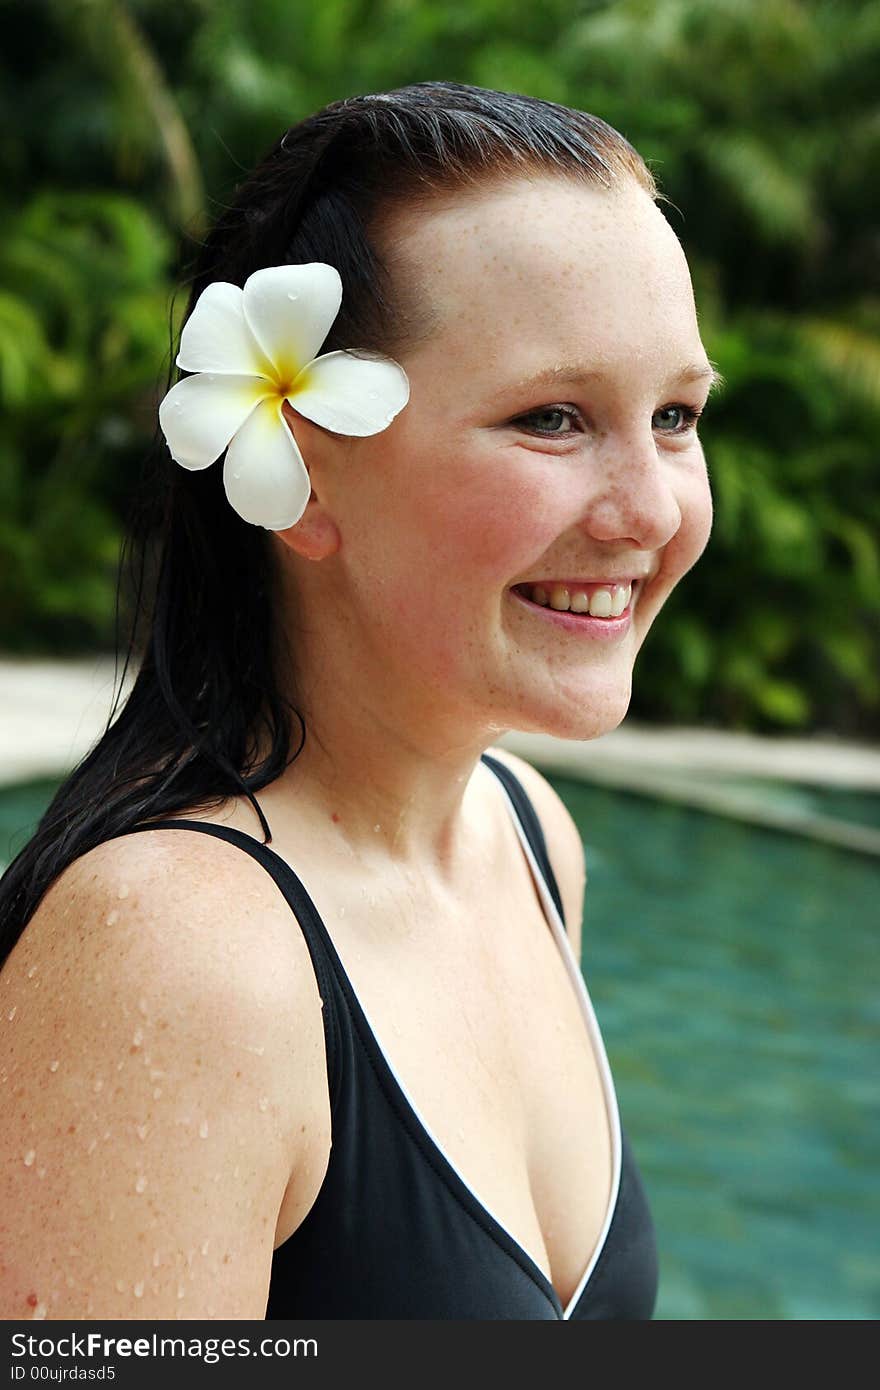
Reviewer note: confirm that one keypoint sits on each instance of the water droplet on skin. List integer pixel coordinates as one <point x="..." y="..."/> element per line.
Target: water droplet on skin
<point x="291" y="295"/>
<point x="180" y="1291"/>
<point x="342" y="912"/>
<point x="156" y="1074"/>
<point x="141" y="1184"/>
<point x="377" y="826"/>
<point x="53" y="1066"/>
<point x="120" y="1286"/>
<point x="205" y="1245"/>
<point x="139" y="1289"/>
<point x="32" y="972"/>
<point x="138" y="1037"/>
<point x="203" y="1129"/>
<point x="12" y="1012"/>
<point x="142" y="1131"/>
<point x="112" y="918"/>
<point x="157" y="1092"/>
<point x="321" y="1002"/>
<point x="39" y="1312"/>
<point x="29" y="1157"/>
<point x="41" y="1172"/>
<point x="98" y="1085"/>
<point x="93" y="1146"/>
<point x="123" y="891"/>
<point x="156" y="1259"/>
<point x="263" y="1102"/>
<point x="142" y="1006"/>
<point x="236" y="475"/>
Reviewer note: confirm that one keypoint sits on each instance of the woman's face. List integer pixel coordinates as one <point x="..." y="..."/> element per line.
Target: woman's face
<point x="547" y="439"/>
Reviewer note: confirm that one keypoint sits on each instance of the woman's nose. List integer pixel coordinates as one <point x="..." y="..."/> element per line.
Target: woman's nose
<point x="633" y="496"/>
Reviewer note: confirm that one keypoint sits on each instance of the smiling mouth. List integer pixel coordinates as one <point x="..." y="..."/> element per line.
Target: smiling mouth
<point x="592" y="600"/>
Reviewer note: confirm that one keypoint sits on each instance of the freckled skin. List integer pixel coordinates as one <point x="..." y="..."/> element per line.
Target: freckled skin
<point x="410" y="656"/>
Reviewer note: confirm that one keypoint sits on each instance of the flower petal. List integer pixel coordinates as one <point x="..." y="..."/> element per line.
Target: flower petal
<point x="264" y="475"/>
<point x="351" y="394"/>
<point x="216" y="337"/>
<point x="290" y="310"/>
<point x="200" y="414"/>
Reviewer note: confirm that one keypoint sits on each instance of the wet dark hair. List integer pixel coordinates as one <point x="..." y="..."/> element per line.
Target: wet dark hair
<point x="204" y="609"/>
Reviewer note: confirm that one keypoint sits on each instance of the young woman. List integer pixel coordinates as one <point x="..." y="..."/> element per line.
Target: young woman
<point x="357" y="1074"/>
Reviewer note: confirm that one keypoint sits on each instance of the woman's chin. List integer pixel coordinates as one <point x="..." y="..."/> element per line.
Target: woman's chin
<point x="594" y="714"/>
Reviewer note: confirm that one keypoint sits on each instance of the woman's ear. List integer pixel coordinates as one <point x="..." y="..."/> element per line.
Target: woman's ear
<point x="316" y="535"/>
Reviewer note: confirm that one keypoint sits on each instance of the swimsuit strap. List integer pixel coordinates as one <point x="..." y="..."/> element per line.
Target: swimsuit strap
<point x="309" y="919"/>
<point x="530" y="824"/>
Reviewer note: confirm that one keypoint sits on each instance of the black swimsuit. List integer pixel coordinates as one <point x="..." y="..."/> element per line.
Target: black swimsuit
<point x="396" y="1231"/>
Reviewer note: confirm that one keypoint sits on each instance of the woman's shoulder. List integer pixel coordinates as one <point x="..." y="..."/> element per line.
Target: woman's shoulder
<point x="165" y="1045"/>
<point x="565" y="846"/>
<point x="189" y="915"/>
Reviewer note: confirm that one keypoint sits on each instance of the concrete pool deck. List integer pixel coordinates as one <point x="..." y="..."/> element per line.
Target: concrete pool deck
<point x="51" y="712"/>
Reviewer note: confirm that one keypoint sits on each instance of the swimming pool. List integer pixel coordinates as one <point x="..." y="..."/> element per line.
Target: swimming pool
<point x="733" y="973"/>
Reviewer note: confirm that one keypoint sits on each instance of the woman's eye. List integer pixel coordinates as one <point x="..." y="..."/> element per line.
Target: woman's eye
<point x="549" y="420"/>
<point x="688" y="417"/>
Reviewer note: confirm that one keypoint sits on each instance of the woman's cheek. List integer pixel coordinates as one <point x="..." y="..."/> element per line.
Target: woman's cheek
<point x="696" y="519"/>
<point x="500" y="512"/>
<point x="683" y="551"/>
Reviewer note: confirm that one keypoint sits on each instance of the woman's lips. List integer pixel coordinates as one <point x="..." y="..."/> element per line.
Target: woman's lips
<point x="585" y="623"/>
<point x="599" y="598"/>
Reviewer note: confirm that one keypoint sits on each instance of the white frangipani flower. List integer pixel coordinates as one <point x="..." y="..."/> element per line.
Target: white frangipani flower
<point x="252" y="349"/>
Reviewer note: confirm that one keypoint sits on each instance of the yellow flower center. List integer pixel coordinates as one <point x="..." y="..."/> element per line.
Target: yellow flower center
<point x="288" y="380"/>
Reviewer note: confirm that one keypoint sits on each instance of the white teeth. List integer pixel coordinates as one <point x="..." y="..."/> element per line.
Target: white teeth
<point x="620" y="600"/>
<point x="601" y="604"/>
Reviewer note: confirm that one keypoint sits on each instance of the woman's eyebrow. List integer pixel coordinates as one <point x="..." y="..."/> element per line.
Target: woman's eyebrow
<point x="573" y="371"/>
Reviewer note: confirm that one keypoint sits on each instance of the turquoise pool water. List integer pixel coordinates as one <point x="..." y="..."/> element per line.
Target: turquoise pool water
<point x="733" y="972"/>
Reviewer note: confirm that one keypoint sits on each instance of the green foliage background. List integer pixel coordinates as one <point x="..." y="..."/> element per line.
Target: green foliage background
<point x="126" y="122"/>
